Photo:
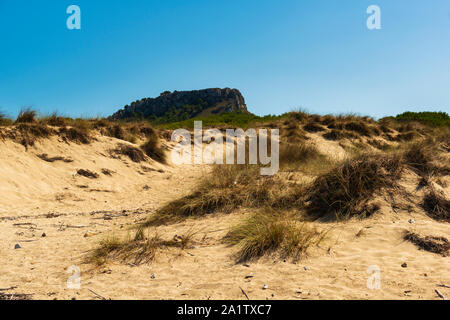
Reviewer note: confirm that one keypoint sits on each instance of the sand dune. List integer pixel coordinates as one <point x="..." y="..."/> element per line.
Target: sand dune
<point x="56" y="216"/>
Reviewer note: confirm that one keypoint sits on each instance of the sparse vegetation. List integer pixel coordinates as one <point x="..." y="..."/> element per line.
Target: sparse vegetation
<point x="231" y="186"/>
<point x="228" y="187"/>
<point x="339" y="191"/>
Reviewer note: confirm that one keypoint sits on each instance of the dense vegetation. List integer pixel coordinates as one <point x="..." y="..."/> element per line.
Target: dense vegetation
<point x="235" y="119"/>
<point x="428" y="118"/>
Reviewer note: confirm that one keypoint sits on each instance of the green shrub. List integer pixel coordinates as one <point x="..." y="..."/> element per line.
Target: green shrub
<point x="428" y="118"/>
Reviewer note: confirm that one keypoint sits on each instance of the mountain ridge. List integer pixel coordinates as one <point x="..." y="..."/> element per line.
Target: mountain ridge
<point x="183" y="105"/>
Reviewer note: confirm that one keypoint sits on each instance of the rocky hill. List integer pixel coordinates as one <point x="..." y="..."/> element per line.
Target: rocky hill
<point x="182" y="105"/>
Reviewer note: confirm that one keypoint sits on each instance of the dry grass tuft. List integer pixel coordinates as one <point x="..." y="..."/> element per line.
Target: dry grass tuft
<point x="54" y="120"/>
<point x="135" y="154"/>
<point x="153" y="149"/>
<point x="423" y="158"/>
<point x="334" y="135"/>
<point x="298" y="116"/>
<point x="359" y="127"/>
<point x="346" y="190"/>
<point x="28" y="133"/>
<point x="75" y="134"/>
<point x="116" y="131"/>
<point x="46" y="158"/>
<point x="266" y="233"/>
<point x="313" y="127"/>
<point x="303" y="157"/>
<point x="379" y="144"/>
<point x="292" y="133"/>
<point x="107" y="172"/>
<point x="26" y="116"/>
<point x="140" y="249"/>
<point x="4" y="120"/>
<point x="436" y="206"/>
<point x="407" y="136"/>
<point x="119" y="131"/>
<point x="88" y="174"/>
<point x="135" y="251"/>
<point x="295" y="154"/>
<point x="438" y="245"/>
<point x="227" y="188"/>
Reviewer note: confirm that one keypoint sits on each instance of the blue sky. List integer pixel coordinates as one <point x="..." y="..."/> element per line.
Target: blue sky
<point x="317" y="55"/>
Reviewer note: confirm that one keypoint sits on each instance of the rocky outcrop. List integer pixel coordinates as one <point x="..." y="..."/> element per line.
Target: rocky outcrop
<point x="190" y="103"/>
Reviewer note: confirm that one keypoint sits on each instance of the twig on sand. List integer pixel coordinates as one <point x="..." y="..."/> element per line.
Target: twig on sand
<point x="443" y="286"/>
<point x="15" y="296"/>
<point x="8" y="289"/>
<point x="63" y="227"/>
<point x="98" y="296"/>
<point x="24" y="224"/>
<point x="440" y="294"/>
<point x="75" y="227"/>
<point x="243" y="292"/>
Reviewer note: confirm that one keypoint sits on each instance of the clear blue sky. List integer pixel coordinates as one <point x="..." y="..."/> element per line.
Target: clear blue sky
<point x="281" y="54"/>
